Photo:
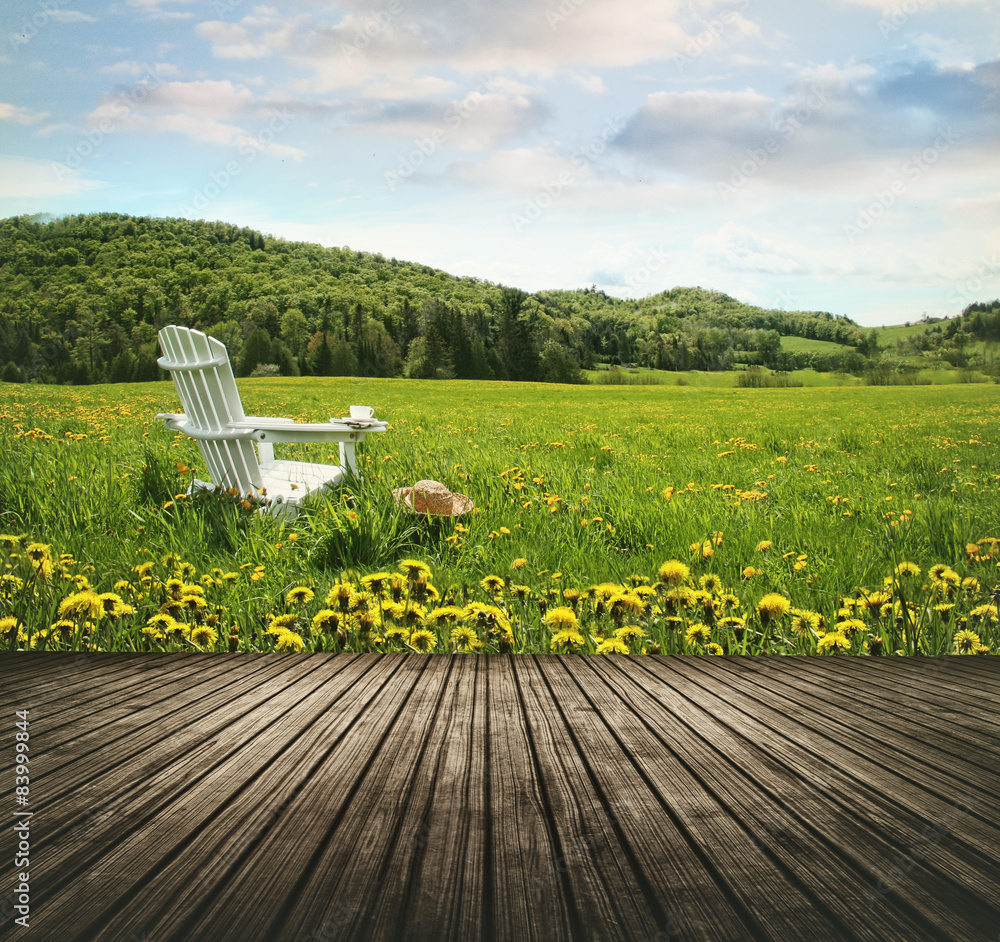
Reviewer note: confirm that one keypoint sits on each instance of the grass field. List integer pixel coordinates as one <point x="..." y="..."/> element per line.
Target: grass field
<point x="805" y="345"/>
<point x="816" y="519"/>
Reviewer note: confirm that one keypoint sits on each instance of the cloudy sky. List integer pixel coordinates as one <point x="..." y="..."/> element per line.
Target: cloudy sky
<point x="837" y="155"/>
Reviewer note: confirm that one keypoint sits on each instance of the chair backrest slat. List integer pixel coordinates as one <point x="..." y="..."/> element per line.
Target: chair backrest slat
<point x="203" y="376"/>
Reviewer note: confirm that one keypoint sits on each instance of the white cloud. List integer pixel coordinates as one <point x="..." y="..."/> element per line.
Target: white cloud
<point x="135" y="69"/>
<point x="70" y="16"/>
<point x="591" y="83"/>
<point x="231" y="41"/>
<point x="738" y="247"/>
<point x="25" y="178"/>
<point x="20" y="115"/>
<point x="205" y="111"/>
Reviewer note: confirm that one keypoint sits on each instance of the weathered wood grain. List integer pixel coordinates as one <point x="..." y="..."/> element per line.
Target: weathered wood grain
<point x="310" y="798"/>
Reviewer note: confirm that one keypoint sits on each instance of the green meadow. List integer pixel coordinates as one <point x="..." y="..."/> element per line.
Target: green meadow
<point x="659" y="518"/>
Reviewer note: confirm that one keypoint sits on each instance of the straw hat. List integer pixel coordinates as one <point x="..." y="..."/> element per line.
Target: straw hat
<point x="434" y="499"/>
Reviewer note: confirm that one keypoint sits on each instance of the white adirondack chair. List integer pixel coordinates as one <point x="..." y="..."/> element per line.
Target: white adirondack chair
<point x="213" y="416"/>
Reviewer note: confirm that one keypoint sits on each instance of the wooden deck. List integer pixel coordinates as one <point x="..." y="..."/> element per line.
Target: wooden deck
<point x="310" y="798"/>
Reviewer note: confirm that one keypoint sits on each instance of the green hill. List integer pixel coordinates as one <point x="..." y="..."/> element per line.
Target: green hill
<point x="81" y="299"/>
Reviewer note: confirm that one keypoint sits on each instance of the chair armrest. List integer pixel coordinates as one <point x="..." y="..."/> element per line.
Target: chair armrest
<point x="181" y="423"/>
<point x="259" y="420"/>
<point x="277" y="430"/>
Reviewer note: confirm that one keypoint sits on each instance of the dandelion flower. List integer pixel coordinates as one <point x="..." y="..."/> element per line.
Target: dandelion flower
<point x="464" y="637"/>
<point x="37" y="552"/>
<point x="85" y="604"/>
<point x="561" y="618"/>
<point x="833" y="642"/>
<point x="567" y="637"/>
<point x="280" y="622"/>
<point x="673" y="572"/>
<point x="612" y="646"/>
<point x="697" y="634"/>
<point x="764" y="545"/>
<point x="492" y="584"/>
<point x="203" y="636"/>
<point x="715" y="649"/>
<point x="804" y="621"/>
<point x="423" y="640"/>
<point x="415" y="570"/>
<point x="326" y="621"/>
<point x="300" y="595"/>
<point x="519" y="563"/>
<point x="377" y="582"/>
<point x="908" y="570"/>
<point x="710" y="582"/>
<point x="966" y="641"/>
<point x="630" y="633"/>
<point x="772" y="607"/>
<point x="289" y="641"/>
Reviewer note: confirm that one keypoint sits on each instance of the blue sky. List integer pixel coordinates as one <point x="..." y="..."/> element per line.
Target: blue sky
<point x="837" y="155"/>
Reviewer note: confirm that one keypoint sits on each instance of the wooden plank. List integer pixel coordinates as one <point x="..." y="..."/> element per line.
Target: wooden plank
<point x="345" y="766"/>
<point x="310" y="798"/>
<point x="891" y="737"/>
<point x="870" y="854"/>
<point x="202" y="814"/>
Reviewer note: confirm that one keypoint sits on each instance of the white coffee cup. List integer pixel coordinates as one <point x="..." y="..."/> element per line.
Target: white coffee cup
<point x="362" y="412"/>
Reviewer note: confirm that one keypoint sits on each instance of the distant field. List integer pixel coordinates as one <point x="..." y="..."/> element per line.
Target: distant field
<point x="585" y="485"/>
<point x="889" y="335"/>
<point x="805" y="345"/>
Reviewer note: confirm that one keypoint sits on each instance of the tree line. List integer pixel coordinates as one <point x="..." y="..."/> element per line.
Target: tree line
<point x="82" y="297"/>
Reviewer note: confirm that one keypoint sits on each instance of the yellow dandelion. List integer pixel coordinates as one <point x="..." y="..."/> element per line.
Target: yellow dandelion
<point x="566" y="638"/>
<point x="966" y="641"/>
<point x="289" y="641"/>
<point x="300" y="595"/>
<point x="464" y="637"/>
<point x="423" y="640"/>
<point x="630" y="633"/>
<point x="764" y="545"/>
<point x="326" y="621"/>
<point x="203" y="636"/>
<point x="833" y="642"/>
<point x="85" y="604"/>
<point x="377" y="582"/>
<point x="772" y="607"/>
<point x="415" y="570"/>
<point x="612" y="646"/>
<point x="492" y="584"/>
<point x="561" y="618"/>
<point x="710" y="582"/>
<point x="697" y="634"/>
<point x="673" y="572"/>
<point x="37" y="552"/>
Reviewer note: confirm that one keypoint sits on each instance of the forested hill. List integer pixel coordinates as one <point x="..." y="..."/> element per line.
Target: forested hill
<point x="81" y="299"/>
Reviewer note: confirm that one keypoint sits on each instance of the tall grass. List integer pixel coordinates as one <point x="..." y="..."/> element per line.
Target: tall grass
<point x="586" y="485"/>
